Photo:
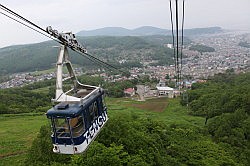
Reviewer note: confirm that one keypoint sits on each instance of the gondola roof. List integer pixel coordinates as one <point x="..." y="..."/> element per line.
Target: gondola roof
<point x="65" y="110"/>
<point x="71" y="110"/>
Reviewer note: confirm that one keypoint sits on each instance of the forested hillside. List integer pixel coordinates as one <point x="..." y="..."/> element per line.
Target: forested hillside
<point x="27" y="57"/>
<point x="225" y="103"/>
<point x="201" y="48"/>
<point x="27" y="99"/>
<point x="244" y="44"/>
<point x="132" y="50"/>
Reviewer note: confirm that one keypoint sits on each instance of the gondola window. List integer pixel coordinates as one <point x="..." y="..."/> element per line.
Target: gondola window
<point x="77" y="125"/>
<point x="93" y="111"/>
<point x="61" y="127"/>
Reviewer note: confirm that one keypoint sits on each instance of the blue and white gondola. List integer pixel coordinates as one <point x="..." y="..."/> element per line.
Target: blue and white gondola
<point x="75" y="125"/>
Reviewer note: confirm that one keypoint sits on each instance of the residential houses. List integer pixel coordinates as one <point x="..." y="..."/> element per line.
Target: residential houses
<point x="195" y="66"/>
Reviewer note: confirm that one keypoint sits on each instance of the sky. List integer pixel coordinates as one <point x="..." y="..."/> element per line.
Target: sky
<point x="77" y="15"/>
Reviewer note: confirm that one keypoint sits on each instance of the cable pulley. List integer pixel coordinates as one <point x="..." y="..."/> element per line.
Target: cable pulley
<point x="67" y="39"/>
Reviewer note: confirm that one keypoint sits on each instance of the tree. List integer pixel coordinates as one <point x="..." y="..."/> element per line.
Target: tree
<point x="41" y="152"/>
<point x="100" y="155"/>
<point x="201" y="48"/>
<point x="167" y="76"/>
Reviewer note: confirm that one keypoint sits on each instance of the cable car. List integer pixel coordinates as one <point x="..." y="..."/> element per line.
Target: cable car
<point x="75" y="125"/>
<point x="80" y="113"/>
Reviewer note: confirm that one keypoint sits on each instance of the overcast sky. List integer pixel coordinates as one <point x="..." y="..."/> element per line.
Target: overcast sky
<point x="78" y="15"/>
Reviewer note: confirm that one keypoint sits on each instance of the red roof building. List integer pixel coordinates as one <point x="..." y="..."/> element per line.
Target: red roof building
<point x="129" y="92"/>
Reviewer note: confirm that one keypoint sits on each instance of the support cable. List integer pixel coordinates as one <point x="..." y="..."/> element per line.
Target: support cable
<point x="22" y="18"/>
<point x="30" y="27"/>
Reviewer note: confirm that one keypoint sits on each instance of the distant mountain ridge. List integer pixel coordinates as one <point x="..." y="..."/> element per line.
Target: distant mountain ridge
<point x="119" y="31"/>
<point x="146" y="31"/>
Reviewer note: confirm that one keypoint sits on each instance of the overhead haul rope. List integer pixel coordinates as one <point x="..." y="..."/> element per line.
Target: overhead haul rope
<point x="177" y="58"/>
<point x="172" y="28"/>
<point x="177" y="39"/>
<point x="182" y="35"/>
<point x="85" y="54"/>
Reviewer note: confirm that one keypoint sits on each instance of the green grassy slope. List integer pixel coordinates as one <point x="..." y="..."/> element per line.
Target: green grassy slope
<point x="173" y="112"/>
<point x="17" y="133"/>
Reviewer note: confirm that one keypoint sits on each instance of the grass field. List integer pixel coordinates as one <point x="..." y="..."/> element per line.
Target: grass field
<point x="18" y="131"/>
<point x="156" y="105"/>
<point x="51" y="70"/>
<point x="42" y="90"/>
<point x="168" y="111"/>
<point x="42" y="72"/>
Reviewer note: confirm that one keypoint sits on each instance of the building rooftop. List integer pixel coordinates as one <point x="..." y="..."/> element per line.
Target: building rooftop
<point x="164" y="88"/>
